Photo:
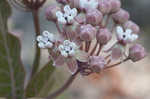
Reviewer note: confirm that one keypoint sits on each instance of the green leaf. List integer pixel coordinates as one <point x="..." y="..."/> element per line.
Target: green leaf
<point x="42" y="81"/>
<point x="11" y="69"/>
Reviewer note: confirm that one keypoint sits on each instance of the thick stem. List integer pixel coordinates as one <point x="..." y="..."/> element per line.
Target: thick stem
<point x="36" y="61"/>
<point x="64" y="87"/>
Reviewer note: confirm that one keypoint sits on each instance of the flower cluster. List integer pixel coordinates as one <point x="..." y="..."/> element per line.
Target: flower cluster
<point x="86" y="29"/>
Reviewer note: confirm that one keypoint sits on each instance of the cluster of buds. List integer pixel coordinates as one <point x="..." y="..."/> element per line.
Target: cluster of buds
<point x="85" y="28"/>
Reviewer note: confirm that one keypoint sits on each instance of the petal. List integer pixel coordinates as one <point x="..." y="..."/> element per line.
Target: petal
<point x="46" y="33"/>
<point x="41" y="45"/>
<point x="59" y="14"/>
<point x="67" y="9"/>
<point x="133" y="37"/>
<point x="62" y="20"/>
<point x="119" y="30"/>
<point x="63" y="53"/>
<point x="72" y="65"/>
<point x="66" y="43"/>
<point x="128" y="31"/>
<point x="73" y="12"/>
<point x="49" y="44"/>
<point x="81" y="56"/>
<point x="39" y="38"/>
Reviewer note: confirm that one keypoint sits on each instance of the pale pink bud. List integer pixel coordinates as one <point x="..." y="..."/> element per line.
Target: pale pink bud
<point x="121" y="16"/>
<point x="94" y="16"/>
<point x="137" y="52"/>
<point x="87" y="32"/>
<point x="103" y="36"/>
<point x="104" y="6"/>
<point x="75" y="3"/>
<point x="62" y="1"/>
<point x="131" y="25"/>
<point x="51" y="12"/>
<point x="115" y="5"/>
<point x="97" y="63"/>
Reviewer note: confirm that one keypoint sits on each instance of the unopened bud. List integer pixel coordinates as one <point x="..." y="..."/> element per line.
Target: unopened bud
<point x="94" y="16"/>
<point x="136" y="52"/>
<point x="115" y="5"/>
<point x="87" y="32"/>
<point x="121" y="16"/>
<point x="104" y="6"/>
<point x="131" y="25"/>
<point x="97" y="63"/>
<point x="51" y="12"/>
<point x="103" y="36"/>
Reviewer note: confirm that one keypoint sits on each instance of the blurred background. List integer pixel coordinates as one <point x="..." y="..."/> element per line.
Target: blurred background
<point x="128" y="81"/>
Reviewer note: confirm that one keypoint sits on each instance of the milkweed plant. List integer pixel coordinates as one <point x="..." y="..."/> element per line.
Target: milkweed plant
<point x="93" y="35"/>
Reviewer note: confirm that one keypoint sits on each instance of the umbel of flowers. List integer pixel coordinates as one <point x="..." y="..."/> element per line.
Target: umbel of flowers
<point x="93" y="35"/>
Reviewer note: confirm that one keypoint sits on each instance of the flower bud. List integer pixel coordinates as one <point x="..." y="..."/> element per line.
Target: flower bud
<point x="131" y="25"/>
<point x="51" y="12"/>
<point x="121" y="16"/>
<point x="94" y="16"/>
<point x="87" y="32"/>
<point x="115" y="5"/>
<point x="103" y="36"/>
<point x="104" y="6"/>
<point x="75" y="3"/>
<point x="137" y="52"/>
<point x="62" y="1"/>
<point x="97" y="63"/>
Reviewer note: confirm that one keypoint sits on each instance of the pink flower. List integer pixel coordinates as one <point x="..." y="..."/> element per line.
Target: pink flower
<point x="136" y="52"/>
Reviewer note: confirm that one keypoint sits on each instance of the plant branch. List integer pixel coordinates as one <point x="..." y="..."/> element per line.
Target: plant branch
<point x="36" y="61"/>
<point x="114" y="65"/>
<point x="64" y="87"/>
<point x="4" y="35"/>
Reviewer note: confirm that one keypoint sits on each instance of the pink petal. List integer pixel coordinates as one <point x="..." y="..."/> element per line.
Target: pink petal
<point x="72" y="65"/>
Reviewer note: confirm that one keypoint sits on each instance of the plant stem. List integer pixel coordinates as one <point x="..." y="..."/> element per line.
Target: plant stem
<point x="64" y="87"/>
<point x="36" y="61"/>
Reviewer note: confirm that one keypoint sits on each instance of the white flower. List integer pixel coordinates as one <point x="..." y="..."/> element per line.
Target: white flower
<point x="45" y="40"/>
<point x="127" y="36"/>
<point x="67" y="16"/>
<point x="89" y="4"/>
<point x="67" y="48"/>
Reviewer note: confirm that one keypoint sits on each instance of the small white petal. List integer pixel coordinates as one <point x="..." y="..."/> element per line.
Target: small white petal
<point x="128" y="31"/>
<point x="63" y="53"/>
<point x="61" y="47"/>
<point x="39" y="38"/>
<point x="119" y="30"/>
<point x="49" y="45"/>
<point x="67" y="9"/>
<point x="41" y="45"/>
<point x="73" y="12"/>
<point x="66" y="42"/>
<point x="62" y="20"/>
<point x="46" y="33"/>
<point x="59" y="14"/>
